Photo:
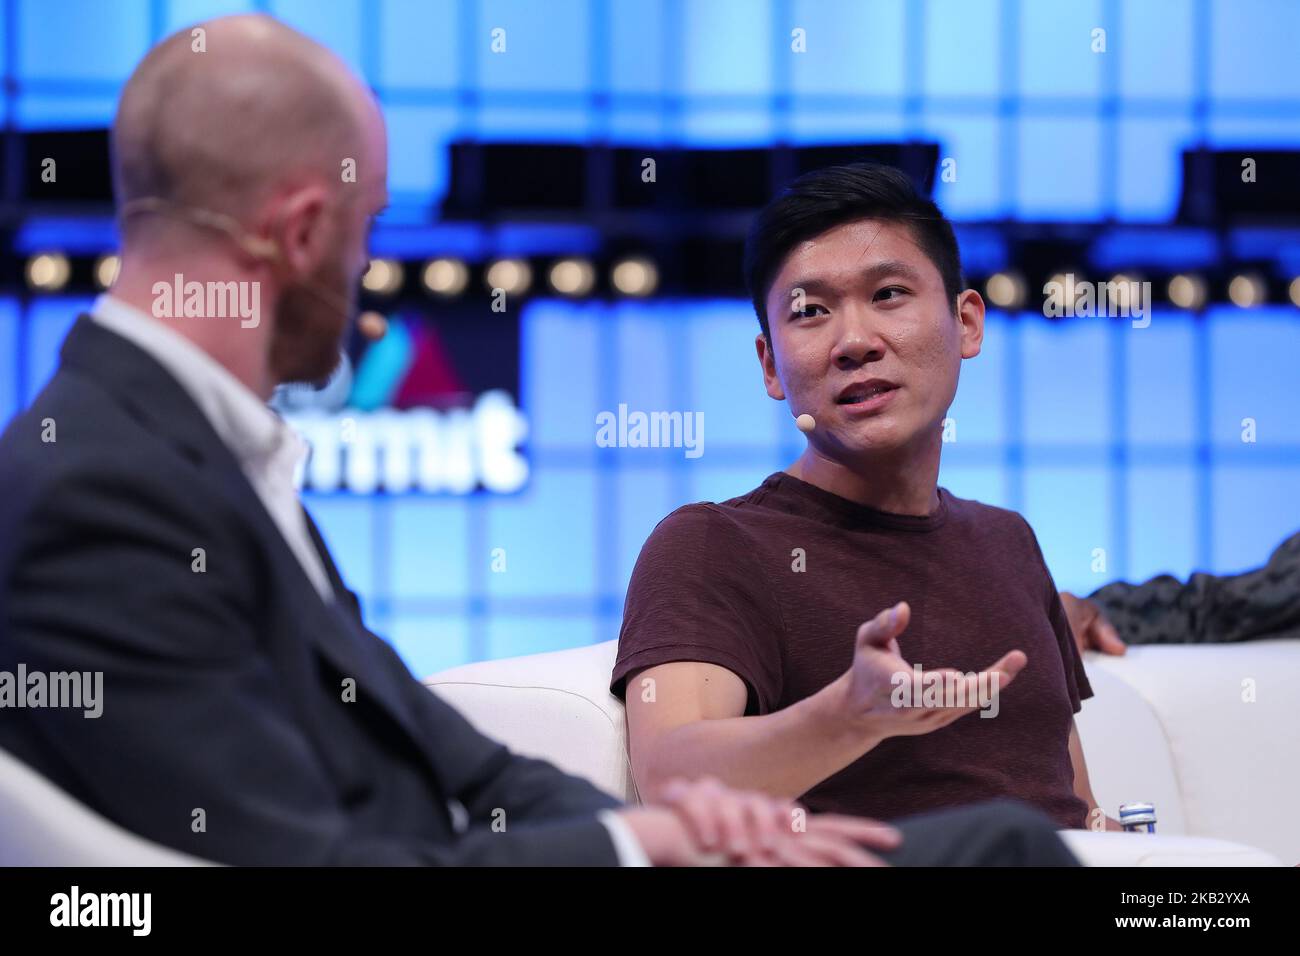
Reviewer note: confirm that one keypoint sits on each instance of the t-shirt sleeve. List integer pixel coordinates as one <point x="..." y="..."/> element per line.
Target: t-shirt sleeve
<point x="697" y="594"/>
<point x="1076" y="679"/>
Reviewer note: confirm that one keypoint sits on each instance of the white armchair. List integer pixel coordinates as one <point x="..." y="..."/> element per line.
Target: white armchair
<point x="1168" y="725"/>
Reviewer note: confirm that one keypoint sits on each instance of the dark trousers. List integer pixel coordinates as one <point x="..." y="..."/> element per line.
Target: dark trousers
<point x="996" y="833"/>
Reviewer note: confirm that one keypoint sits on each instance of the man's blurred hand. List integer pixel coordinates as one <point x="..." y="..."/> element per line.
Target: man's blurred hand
<point x="1092" y="632"/>
<point x="703" y="822"/>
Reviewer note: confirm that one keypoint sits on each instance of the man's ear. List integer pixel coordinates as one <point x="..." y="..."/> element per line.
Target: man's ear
<point x="767" y="359"/>
<point x="970" y="313"/>
<point x="297" y="226"/>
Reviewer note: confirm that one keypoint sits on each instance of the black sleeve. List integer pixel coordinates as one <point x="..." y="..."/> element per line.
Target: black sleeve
<point x="1210" y="608"/>
<point x="193" y="715"/>
<point x="486" y="777"/>
<point x="481" y="773"/>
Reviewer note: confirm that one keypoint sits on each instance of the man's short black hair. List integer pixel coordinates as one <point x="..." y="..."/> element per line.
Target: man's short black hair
<point x="826" y="198"/>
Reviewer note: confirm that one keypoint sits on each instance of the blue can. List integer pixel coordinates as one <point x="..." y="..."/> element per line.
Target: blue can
<point x="1138" y="817"/>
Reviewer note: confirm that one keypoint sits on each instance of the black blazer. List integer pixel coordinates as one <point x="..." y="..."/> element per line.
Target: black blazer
<point x="223" y="690"/>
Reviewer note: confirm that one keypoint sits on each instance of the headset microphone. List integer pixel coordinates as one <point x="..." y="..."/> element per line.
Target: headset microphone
<point x="371" y="326"/>
<point x="805" y="423"/>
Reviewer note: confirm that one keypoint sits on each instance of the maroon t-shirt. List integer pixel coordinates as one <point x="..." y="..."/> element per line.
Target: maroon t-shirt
<point x="720" y="583"/>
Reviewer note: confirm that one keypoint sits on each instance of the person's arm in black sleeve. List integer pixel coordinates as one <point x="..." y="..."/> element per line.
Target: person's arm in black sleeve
<point x="193" y="717"/>
<point x="1209" y="608"/>
<point x="481" y="773"/>
<point x="526" y="788"/>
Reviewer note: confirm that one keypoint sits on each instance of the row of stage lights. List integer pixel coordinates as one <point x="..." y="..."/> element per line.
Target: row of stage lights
<point x="637" y="277"/>
<point x="633" y="276"/>
<point x="1185" y="290"/>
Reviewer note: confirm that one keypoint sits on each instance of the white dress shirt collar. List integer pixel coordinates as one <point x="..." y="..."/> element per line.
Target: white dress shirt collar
<point x="244" y="423"/>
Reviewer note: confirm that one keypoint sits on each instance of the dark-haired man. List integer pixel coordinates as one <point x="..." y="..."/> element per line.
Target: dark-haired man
<point x="743" y="651"/>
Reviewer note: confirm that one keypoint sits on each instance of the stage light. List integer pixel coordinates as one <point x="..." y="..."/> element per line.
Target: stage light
<point x="48" y="271"/>
<point x="635" y="276"/>
<point x="446" y="277"/>
<point x="1124" y="287"/>
<point x="1006" y="290"/>
<point x="1293" y="290"/>
<point x="572" y="277"/>
<point x="1187" y="291"/>
<point x="1247" y="290"/>
<point x="513" y="276"/>
<point x="106" y="268"/>
<point x="1069" y="282"/>
<point x="384" y="277"/>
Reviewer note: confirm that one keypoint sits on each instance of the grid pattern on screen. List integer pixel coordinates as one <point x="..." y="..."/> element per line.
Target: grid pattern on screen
<point x="1040" y="125"/>
<point x="1103" y="436"/>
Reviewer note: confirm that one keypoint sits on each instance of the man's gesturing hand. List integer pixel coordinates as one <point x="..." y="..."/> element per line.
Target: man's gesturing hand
<point x="871" y="683"/>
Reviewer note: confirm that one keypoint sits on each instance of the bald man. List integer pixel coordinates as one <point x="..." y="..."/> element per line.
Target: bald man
<point x="151" y="539"/>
